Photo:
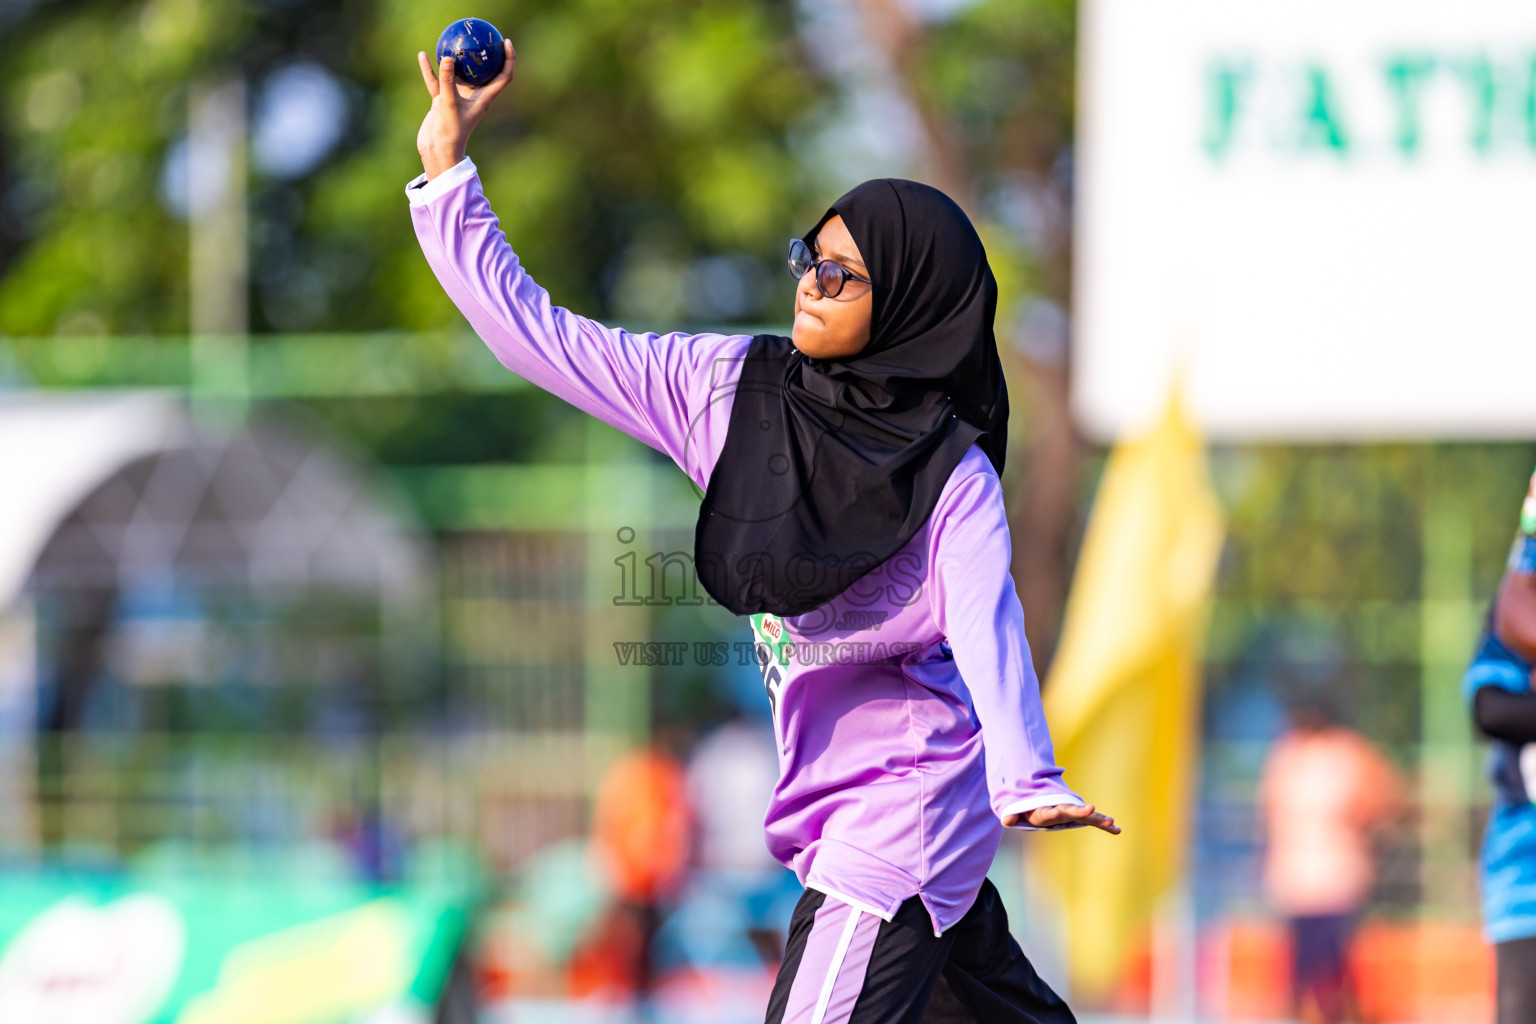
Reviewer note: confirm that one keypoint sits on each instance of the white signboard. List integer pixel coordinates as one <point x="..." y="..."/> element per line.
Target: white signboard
<point x="1322" y="215"/>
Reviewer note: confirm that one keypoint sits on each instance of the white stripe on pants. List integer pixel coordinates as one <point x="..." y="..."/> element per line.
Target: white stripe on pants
<point x="831" y="972"/>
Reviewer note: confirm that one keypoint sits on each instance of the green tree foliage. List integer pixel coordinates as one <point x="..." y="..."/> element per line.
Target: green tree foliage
<point x="1005" y="73"/>
<point x="640" y="138"/>
<point x="992" y="84"/>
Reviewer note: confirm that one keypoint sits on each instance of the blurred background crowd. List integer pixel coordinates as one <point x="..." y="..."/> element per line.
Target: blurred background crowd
<point x="346" y="677"/>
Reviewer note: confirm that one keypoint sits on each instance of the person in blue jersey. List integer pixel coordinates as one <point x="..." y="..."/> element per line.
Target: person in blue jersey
<point x="1498" y="687"/>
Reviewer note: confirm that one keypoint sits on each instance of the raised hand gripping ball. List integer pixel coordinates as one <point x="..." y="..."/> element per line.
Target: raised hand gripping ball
<point x="476" y="49"/>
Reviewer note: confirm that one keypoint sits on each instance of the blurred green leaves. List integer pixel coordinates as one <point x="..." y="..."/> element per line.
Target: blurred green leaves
<point x="651" y="130"/>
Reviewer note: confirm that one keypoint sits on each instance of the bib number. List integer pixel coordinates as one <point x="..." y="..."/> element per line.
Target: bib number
<point x="772" y="646"/>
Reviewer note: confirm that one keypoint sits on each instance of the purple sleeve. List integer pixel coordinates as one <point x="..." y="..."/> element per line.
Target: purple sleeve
<point x="979" y="613"/>
<point x="659" y="389"/>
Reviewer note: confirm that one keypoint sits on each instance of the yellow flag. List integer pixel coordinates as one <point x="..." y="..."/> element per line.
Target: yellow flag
<point x="1123" y="694"/>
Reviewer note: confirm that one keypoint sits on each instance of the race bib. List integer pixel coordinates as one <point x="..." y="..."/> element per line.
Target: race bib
<point x="772" y="645"/>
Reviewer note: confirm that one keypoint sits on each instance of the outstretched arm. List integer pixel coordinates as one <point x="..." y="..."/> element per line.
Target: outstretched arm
<point x="979" y="611"/>
<point x="1502" y="715"/>
<point x="659" y="389"/>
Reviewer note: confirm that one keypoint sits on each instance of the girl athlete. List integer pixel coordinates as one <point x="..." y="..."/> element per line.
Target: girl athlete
<point x="1498" y="686"/>
<point x="852" y="508"/>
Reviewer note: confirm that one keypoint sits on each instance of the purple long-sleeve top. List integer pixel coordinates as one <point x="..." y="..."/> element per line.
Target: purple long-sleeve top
<point x="906" y="710"/>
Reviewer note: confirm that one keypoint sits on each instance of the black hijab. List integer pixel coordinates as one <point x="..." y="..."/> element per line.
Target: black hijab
<point x="830" y="466"/>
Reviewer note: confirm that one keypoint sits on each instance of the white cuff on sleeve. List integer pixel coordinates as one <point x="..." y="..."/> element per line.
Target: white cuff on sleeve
<point x="1043" y="800"/>
<point x="420" y="191"/>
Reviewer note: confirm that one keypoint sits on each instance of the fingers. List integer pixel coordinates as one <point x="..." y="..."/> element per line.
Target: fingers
<point x="1059" y="815"/>
<point x="451" y="85"/>
<point x="488" y="91"/>
<point x="1060" y="812"/>
<point x="1088" y="816"/>
<point x="511" y="65"/>
<point x="1104" y="822"/>
<point x="426" y="73"/>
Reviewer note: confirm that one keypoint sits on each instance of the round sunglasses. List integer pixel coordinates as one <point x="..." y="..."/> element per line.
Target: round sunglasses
<point x="830" y="276"/>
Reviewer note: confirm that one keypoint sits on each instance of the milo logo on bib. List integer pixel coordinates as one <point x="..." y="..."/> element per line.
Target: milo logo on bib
<point x="769" y="630"/>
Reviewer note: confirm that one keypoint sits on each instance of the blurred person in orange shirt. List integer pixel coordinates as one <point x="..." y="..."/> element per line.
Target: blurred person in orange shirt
<point x="1324" y="794"/>
<point x="642" y="828"/>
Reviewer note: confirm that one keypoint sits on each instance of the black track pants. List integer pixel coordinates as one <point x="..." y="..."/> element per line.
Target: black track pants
<point x="847" y="966"/>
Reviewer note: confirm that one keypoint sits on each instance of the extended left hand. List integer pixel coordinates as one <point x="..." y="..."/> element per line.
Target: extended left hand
<point x="1063" y="814"/>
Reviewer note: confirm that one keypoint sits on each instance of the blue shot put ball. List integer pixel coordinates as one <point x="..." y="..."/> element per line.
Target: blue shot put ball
<point x="476" y="49"/>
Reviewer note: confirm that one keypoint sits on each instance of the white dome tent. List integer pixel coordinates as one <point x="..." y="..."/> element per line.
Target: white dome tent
<point x="106" y="495"/>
